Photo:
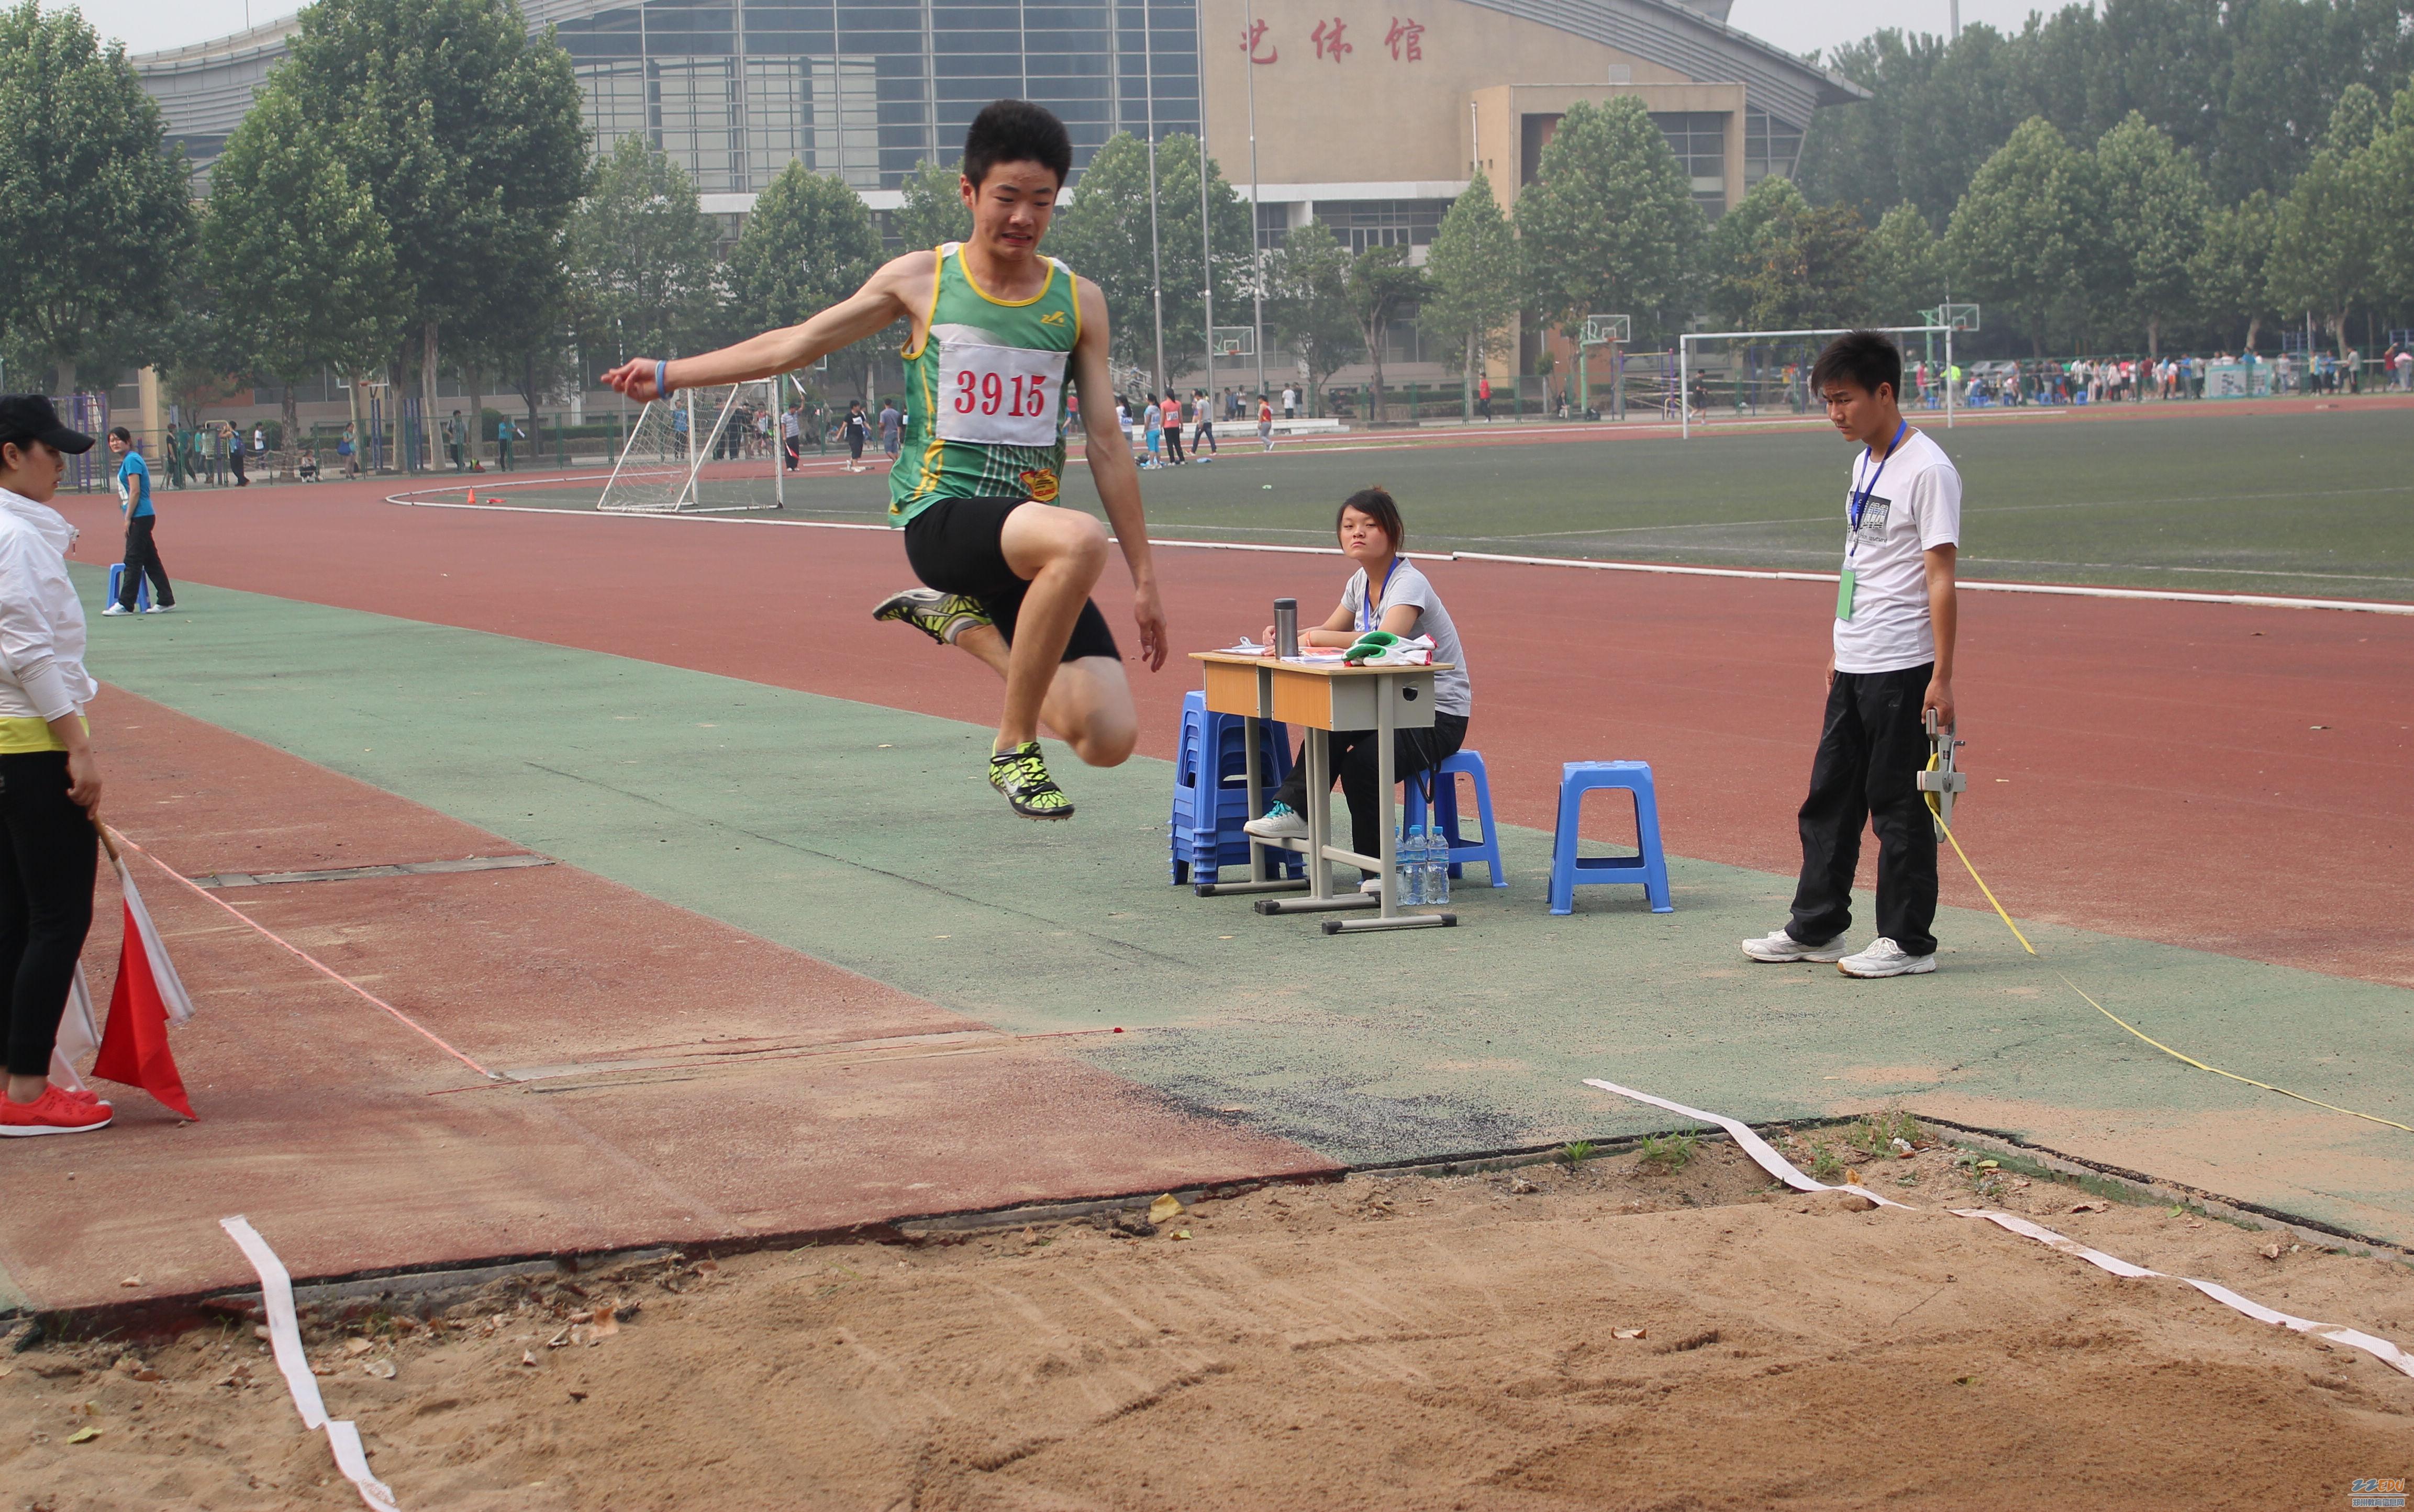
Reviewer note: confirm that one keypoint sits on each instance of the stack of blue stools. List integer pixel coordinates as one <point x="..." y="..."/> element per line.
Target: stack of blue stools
<point x="1211" y="789"/>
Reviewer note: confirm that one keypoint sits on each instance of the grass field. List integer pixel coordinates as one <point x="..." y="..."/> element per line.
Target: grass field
<point x="2318" y="504"/>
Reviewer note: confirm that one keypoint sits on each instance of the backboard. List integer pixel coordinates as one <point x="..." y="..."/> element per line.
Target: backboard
<point x="1601" y="329"/>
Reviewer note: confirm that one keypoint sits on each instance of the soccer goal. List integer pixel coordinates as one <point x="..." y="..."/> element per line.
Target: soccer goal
<point x="701" y="451"/>
<point x="1742" y="374"/>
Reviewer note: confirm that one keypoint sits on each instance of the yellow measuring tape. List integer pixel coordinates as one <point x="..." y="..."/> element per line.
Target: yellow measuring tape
<point x="2176" y="1055"/>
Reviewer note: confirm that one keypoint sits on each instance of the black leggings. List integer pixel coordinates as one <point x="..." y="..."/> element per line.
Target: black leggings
<point x="1355" y="759"/>
<point x="142" y="560"/>
<point x="46" y="877"/>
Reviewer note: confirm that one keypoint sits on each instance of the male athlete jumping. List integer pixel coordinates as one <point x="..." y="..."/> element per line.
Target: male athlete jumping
<point x="994" y="325"/>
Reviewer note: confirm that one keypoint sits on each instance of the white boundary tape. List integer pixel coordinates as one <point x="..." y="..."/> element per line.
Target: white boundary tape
<point x="2058" y="590"/>
<point x="1779" y="1167"/>
<point x="285" y="1341"/>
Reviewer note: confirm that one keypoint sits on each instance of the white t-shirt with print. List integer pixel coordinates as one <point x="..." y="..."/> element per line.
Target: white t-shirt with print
<point x="1914" y="504"/>
<point x="1453" y="693"/>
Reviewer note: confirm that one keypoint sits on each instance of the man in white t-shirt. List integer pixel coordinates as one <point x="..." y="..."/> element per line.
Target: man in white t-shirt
<point x="1893" y="660"/>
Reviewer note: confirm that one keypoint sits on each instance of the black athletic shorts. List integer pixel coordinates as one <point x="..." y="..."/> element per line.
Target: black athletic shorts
<point x="955" y="546"/>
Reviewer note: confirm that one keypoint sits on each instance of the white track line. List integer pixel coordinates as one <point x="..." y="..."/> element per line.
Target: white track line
<point x="1768" y="1159"/>
<point x="2057" y="590"/>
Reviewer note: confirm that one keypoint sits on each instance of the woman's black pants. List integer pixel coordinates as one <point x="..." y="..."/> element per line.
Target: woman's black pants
<point x="1355" y="759"/>
<point x="48" y="856"/>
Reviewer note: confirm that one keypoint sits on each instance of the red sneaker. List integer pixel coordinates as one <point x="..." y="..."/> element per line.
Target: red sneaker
<point x="83" y="1094"/>
<point x="53" y="1112"/>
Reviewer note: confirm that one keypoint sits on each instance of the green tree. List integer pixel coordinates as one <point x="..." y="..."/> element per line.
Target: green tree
<point x="2230" y="269"/>
<point x="1103" y="235"/>
<point x="2024" y="235"/>
<point x="641" y="256"/>
<point x="2156" y="202"/>
<point x="2322" y="248"/>
<point x="101" y="213"/>
<point x="808" y="244"/>
<point x="1474" y="285"/>
<point x="2391" y="176"/>
<point x="297" y="251"/>
<point x="464" y="128"/>
<point x="1609" y="225"/>
<point x="1902" y="267"/>
<point x="1310" y="307"/>
<point x="1776" y="263"/>
<point x="932" y="211"/>
<point x="1381" y="288"/>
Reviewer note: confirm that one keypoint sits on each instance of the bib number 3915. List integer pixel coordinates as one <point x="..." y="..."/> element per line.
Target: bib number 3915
<point x="995" y="394"/>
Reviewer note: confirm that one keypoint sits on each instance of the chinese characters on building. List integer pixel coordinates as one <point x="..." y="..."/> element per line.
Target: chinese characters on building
<point x="1405" y="40"/>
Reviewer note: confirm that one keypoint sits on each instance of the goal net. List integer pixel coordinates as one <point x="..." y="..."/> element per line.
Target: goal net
<point x="702" y="450"/>
<point x="1741" y="375"/>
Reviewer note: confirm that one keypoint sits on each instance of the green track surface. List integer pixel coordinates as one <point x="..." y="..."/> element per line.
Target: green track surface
<point x="2312" y="504"/>
<point x="867" y="837"/>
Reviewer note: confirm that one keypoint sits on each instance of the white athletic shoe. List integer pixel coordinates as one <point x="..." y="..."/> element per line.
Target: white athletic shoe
<point x="1372" y="887"/>
<point x="114" y="608"/>
<point x="1782" y="946"/>
<point x="1287" y="825"/>
<point x="159" y="609"/>
<point x="1885" y="959"/>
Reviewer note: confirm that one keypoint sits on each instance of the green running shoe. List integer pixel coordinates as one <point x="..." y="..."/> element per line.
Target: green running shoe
<point x="1022" y="777"/>
<point x="942" y="617"/>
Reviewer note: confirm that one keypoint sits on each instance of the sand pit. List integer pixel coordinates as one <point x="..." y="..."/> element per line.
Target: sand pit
<point x="1614" y="1336"/>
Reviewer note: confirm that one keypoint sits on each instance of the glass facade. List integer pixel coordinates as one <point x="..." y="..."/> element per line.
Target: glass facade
<point x="1770" y="146"/>
<point x="1699" y="140"/>
<point x="735" y="91"/>
<point x="1365" y="223"/>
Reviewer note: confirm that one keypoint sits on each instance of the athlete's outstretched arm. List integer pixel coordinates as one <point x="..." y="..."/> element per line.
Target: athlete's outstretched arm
<point x="883" y="300"/>
<point x="1111" y="470"/>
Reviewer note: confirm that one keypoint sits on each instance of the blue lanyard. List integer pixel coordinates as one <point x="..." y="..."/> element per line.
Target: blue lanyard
<point x="1370" y="609"/>
<point x="1859" y="500"/>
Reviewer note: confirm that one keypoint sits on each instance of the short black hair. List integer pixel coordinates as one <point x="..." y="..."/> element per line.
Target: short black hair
<point x="1374" y="503"/>
<point x="1865" y="359"/>
<point x="121" y="433"/>
<point x="1017" y="131"/>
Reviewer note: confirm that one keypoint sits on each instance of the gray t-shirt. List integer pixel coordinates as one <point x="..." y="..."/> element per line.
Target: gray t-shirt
<point x="1453" y="693"/>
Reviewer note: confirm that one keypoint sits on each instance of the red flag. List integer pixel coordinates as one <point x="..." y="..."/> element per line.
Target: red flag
<point x="134" y="1045"/>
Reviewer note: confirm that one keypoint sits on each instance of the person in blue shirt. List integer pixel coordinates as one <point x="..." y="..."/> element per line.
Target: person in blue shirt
<point x="142" y="553"/>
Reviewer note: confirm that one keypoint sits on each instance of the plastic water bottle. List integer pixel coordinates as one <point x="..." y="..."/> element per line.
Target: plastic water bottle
<point x="1437" y="888"/>
<point x="1409" y="874"/>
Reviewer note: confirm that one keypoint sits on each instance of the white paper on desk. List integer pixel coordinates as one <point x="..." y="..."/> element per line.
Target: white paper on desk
<point x="1320" y="655"/>
<point x="1246" y="648"/>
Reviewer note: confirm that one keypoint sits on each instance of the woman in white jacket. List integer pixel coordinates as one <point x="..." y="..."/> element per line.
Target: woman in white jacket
<point x="49" y="786"/>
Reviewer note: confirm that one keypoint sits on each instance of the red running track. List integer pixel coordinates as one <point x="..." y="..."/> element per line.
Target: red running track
<point x="2225" y="778"/>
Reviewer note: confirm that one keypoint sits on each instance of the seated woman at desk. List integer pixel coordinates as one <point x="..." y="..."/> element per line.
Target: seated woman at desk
<point x="1389" y="594"/>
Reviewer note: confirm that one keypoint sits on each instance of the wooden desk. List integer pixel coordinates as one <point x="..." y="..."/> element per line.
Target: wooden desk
<point x="1322" y="697"/>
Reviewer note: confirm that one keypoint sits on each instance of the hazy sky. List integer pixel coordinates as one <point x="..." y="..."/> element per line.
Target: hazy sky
<point x="1796" y="25"/>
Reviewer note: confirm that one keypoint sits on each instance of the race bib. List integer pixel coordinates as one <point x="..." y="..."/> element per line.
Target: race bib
<point x="993" y="395"/>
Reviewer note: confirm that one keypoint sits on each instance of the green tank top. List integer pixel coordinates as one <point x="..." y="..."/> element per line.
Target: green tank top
<point x="985" y="394"/>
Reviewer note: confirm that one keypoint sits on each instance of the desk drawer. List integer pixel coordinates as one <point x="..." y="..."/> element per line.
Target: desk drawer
<point x="1348" y="702"/>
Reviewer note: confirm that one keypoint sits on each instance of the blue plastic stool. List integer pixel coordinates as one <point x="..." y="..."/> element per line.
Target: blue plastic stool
<point x="1568" y="869"/>
<point x="1445" y="802"/>
<point x="142" y="587"/>
<point x="1211" y="792"/>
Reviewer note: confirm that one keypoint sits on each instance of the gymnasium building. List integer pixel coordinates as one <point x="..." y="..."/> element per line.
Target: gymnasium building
<point x="1368" y="114"/>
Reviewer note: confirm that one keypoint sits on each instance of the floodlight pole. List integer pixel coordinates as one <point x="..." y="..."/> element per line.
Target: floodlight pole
<point x="1155" y="264"/>
<point x="1206" y="230"/>
<point x="1948" y="373"/>
<point x="1257" y="238"/>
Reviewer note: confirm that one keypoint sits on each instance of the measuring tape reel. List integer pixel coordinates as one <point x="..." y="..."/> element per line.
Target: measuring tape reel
<point x="1943" y="777"/>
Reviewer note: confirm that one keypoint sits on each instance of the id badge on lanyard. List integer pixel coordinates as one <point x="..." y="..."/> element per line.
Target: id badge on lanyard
<point x="1856" y="501"/>
<point x="1370" y="609"/>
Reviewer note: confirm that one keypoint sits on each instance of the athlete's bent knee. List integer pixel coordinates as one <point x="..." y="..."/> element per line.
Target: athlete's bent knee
<point x="1106" y="743"/>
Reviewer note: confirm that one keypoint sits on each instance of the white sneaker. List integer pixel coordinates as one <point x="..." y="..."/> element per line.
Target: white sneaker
<point x="1782" y="946"/>
<point x="1885" y="959"/>
<point x="1372" y="887"/>
<point x="1284" y="826"/>
<point x="114" y="609"/>
<point x="159" y="609"/>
